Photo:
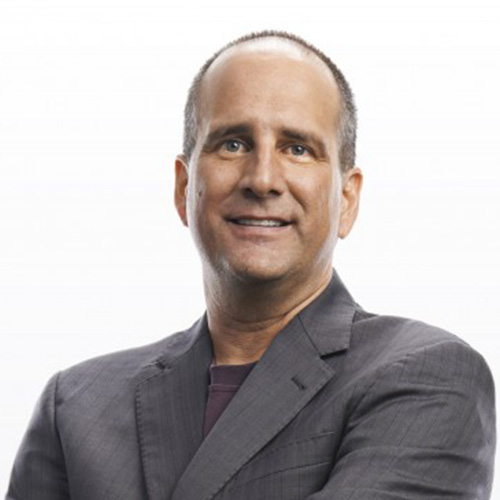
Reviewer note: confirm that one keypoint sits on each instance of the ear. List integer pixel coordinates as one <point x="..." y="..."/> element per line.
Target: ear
<point x="181" y="185"/>
<point x="351" y="190"/>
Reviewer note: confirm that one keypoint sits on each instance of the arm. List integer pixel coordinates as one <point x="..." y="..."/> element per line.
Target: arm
<point x="424" y="429"/>
<point x="39" y="472"/>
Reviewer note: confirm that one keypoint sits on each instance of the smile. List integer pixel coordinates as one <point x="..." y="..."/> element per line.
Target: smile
<point x="260" y="222"/>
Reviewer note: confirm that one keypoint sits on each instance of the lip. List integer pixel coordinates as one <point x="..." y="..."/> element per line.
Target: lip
<point x="283" y="220"/>
<point x="258" y="233"/>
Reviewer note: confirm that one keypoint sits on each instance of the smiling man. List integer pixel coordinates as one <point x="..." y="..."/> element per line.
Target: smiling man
<point x="263" y="190"/>
<point x="286" y="389"/>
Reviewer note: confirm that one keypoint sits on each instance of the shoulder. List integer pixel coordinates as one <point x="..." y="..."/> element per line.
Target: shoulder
<point x="420" y="397"/>
<point x="382" y="341"/>
<point x="396" y="335"/>
<point x="121" y="370"/>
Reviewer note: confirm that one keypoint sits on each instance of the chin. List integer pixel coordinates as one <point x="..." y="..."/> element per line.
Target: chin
<point x="258" y="272"/>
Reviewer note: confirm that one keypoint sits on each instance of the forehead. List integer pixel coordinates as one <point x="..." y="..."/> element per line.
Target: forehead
<point x="271" y="45"/>
<point x="269" y="76"/>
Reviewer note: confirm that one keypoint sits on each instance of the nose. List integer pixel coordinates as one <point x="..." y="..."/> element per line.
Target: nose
<point x="263" y="175"/>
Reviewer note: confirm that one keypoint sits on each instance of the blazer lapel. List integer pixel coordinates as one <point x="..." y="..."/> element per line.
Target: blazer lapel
<point x="170" y="405"/>
<point x="284" y="380"/>
<point x="288" y="375"/>
<point x="171" y="399"/>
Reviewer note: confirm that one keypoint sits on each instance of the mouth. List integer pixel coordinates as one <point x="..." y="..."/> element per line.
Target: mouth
<point x="255" y="222"/>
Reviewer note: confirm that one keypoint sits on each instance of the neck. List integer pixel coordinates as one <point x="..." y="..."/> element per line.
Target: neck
<point x="244" y="318"/>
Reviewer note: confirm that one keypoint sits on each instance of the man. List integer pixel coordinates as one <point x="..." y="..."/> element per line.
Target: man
<point x="286" y="389"/>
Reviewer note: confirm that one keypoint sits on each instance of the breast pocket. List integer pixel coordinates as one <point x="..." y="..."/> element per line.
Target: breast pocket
<point x="288" y="471"/>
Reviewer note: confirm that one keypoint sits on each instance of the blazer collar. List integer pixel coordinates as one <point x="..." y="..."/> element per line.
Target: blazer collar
<point x="328" y="319"/>
<point x="171" y="398"/>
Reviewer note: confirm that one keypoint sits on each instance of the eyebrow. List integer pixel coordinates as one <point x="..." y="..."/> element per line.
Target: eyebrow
<point x="226" y="131"/>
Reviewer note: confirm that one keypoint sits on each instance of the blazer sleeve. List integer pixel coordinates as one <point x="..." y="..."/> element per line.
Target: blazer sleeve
<point x="424" y="429"/>
<point x="39" y="471"/>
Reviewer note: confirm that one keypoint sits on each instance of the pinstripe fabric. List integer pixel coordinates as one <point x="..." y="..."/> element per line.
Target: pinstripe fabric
<point x="344" y="404"/>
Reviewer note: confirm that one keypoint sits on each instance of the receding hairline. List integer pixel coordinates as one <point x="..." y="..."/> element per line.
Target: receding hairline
<point x="270" y="44"/>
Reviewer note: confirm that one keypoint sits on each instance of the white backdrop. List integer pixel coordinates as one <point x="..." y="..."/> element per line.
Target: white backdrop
<point x="92" y="256"/>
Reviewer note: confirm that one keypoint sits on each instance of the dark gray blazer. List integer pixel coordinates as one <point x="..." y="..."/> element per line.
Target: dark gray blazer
<point x="344" y="404"/>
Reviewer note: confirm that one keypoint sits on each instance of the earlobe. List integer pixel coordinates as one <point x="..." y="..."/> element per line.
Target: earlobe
<point x="181" y="186"/>
<point x="351" y="191"/>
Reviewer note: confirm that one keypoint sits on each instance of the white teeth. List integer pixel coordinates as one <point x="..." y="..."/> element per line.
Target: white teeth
<point x="257" y="222"/>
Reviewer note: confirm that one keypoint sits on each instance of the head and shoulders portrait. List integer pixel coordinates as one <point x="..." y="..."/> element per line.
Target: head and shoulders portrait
<point x="286" y="387"/>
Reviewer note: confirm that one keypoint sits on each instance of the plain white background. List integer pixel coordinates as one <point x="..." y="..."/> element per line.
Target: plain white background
<point x="92" y="256"/>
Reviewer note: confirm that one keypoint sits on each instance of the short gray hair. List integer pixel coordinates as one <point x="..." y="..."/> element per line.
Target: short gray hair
<point x="347" y="122"/>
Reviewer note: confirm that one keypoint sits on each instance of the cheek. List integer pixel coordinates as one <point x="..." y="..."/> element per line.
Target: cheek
<point x="210" y="187"/>
<point x="334" y="199"/>
<point x="329" y="210"/>
<point x="321" y="195"/>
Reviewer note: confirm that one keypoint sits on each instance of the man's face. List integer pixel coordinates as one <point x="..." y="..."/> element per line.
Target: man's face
<point x="263" y="193"/>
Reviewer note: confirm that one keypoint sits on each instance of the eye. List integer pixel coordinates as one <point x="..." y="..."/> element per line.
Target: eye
<point x="298" y="150"/>
<point x="232" y="146"/>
